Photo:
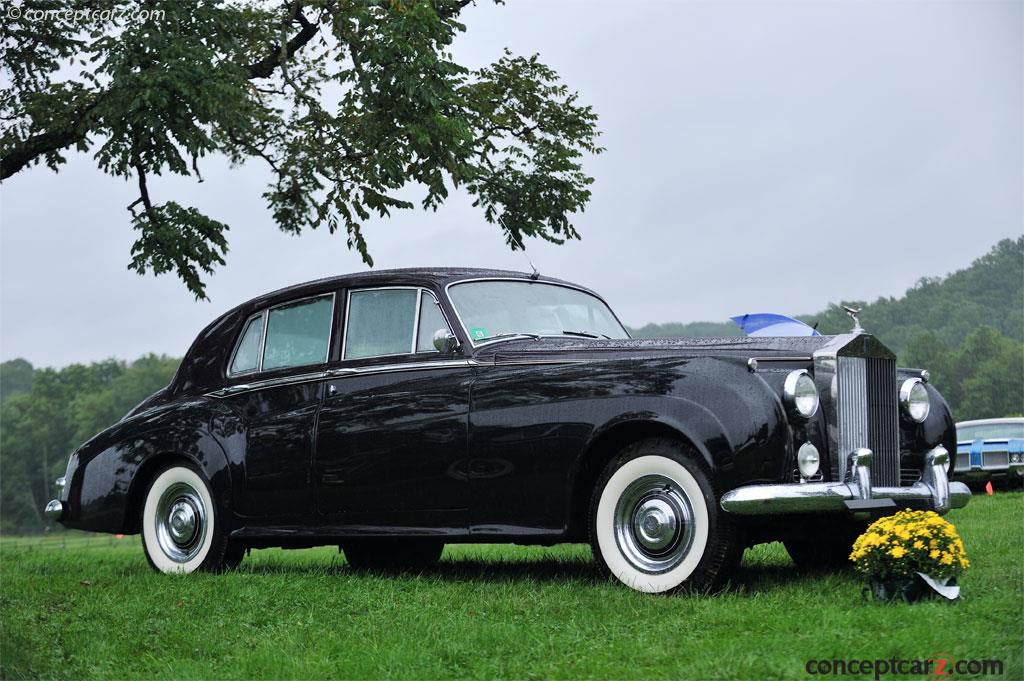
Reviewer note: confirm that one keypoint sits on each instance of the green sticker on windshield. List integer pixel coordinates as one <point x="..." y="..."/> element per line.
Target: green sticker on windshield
<point x="478" y="333"/>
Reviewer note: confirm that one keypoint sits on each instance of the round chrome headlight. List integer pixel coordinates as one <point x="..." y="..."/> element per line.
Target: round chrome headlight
<point x="914" y="400"/>
<point x="807" y="460"/>
<point x="800" y="394"/>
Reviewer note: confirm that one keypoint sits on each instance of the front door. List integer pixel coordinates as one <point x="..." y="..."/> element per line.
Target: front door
<point x="392" y="433"/>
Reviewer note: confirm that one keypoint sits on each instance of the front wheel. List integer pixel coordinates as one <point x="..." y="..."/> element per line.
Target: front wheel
<point x="655" y="522"/>
<point x="180" y="528"/>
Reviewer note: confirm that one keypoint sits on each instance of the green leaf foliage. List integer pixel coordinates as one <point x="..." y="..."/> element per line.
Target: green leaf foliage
<point x="346" y="102"/>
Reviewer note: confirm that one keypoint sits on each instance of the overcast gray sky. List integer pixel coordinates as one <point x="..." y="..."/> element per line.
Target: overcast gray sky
<point x="760" y="156"/>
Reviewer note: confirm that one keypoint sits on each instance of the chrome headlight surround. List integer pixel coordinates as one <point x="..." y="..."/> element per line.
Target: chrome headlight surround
<point x="800" y="394"/>
<point x="914" y="400"/>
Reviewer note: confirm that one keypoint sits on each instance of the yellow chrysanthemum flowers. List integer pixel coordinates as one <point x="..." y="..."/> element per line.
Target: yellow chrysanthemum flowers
<point x="908" y="542"/>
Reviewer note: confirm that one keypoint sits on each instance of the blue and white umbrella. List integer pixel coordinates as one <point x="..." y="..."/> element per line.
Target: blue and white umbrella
<point x="768" y="324"/>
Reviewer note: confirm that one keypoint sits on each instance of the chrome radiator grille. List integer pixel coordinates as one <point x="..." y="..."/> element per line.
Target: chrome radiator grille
<point x="867" y="414"/>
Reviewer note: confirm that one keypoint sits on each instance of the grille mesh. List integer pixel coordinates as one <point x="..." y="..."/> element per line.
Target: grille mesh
<point x="867" y="414"/>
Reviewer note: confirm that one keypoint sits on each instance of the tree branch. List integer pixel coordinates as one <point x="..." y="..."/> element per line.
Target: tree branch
<point x="35" y="146"/>
<point x="265" y="67"/>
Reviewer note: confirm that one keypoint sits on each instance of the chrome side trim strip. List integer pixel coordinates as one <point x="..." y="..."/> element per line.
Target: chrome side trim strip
<point x="341" y="373"/>
<point x="378" y="369"/>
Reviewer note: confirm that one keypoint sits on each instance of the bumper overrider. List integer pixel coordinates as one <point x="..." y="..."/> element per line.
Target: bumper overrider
<point x="55" y="508"/>
<point x="933" y="491"/>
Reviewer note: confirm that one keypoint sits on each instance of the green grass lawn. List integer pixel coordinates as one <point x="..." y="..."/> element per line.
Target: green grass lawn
<point x="97" y="611"/>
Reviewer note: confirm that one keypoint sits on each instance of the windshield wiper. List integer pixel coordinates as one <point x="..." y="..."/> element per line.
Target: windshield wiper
<point x="506" y="336"/>
<point x="584" y="334"/>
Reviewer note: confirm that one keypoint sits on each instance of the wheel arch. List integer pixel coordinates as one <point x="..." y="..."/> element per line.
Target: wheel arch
<point x="606" y="443"/>
<point x="148" y="470"/>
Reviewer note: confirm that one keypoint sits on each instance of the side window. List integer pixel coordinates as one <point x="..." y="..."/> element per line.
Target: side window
<point x="247" y="354"/>
<point x="431" y="320"/>
<point x="298" y="334"/>
<point x="380" y="322"/>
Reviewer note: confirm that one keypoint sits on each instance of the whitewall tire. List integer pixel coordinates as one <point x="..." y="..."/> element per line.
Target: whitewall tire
<point x="180" y="529"/>
<point x="655" y="523"/>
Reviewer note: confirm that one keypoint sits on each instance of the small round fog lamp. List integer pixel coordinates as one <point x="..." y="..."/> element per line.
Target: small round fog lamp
<point x="807" y="460"/>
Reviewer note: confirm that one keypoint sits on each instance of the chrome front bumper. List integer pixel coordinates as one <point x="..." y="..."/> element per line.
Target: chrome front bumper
<point x="933" y="491"/>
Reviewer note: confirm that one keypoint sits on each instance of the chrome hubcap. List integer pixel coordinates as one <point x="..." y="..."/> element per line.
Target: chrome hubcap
<point x="654" y="524"/>
<point x="181" y="522"/>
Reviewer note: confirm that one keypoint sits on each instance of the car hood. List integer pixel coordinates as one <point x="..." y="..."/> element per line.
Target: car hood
<point x="749" y="346"/>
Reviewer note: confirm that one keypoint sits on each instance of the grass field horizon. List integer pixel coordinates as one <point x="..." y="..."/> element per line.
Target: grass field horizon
<point x="97" y="611"/>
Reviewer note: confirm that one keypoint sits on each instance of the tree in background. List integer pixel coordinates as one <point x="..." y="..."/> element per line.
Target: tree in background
<point x="346" y="102"/>
<point x="982" y="378"/>
<point x="15" y="378"/>
<point x="64" y="408"/>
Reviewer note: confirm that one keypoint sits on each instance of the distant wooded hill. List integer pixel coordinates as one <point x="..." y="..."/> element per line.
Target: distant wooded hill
<point x="966" y="328"/>
<point x="988" y="293"/>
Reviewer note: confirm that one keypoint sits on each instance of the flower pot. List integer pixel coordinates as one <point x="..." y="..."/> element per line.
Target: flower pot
<point x="912" y="588"/>
<point x="906" y="588"/>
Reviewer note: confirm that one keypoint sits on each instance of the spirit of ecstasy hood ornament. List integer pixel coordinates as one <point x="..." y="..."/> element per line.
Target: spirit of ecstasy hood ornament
<point x="853" y="312"/>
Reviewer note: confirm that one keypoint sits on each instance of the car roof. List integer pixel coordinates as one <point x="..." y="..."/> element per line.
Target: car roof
<point x="991" y="422"/>
<point x="203" y="361"/>
<point x="435" y="276"/>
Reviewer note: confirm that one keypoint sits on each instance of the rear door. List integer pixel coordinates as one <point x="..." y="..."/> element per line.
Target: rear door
<point x="276" y="383"/>
<point x="393" y="430"/>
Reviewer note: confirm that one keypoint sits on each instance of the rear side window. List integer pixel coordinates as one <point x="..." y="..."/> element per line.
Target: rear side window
<point x="298" y="334"/>
<point x="247" y="355"/>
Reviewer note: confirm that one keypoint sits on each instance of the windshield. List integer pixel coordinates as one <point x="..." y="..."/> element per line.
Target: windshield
<point x="990" y="431"/>
<point x="502" y="309"/>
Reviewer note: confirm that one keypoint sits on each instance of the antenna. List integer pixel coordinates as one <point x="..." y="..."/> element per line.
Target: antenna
<point x="536" y="275"/>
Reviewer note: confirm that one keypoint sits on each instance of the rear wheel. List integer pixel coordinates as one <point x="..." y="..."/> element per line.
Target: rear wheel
<point x="180" y="528"/>
<point x="393" y="555"/>
<point x="655" y="522"/>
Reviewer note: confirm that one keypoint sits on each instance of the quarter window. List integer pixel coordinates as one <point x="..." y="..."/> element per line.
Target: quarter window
<point x="431" y="320"/>
<point x="395" y="321"/>
<point x="247" y="355"/>
<point x="298" y="334"/>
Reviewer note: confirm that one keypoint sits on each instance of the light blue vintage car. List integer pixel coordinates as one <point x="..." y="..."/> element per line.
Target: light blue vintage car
<point x="989" y="449"/>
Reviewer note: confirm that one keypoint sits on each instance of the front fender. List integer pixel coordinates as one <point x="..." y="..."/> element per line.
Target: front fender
<point x="107" y="472"/>
<point x="733" y="418"/>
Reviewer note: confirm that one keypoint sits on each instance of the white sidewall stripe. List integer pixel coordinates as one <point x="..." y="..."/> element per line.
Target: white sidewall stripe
<point x="170" y="477"/>
<point x="617" y="563"/>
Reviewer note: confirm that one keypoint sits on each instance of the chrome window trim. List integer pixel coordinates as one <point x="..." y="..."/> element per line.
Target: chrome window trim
<point x="574" y="287"/>
<point x="420" y="290"/>
<point x="265" y="313"/>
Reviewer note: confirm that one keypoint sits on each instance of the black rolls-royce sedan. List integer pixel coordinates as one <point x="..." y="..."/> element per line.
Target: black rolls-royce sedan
<point x="392" y="412"/>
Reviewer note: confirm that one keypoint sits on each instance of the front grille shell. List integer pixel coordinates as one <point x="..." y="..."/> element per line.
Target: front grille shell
<point x="856" y="378"/>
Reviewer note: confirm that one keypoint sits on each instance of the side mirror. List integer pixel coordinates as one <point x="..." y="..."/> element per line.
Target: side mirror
<point x="445" y="341"/>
